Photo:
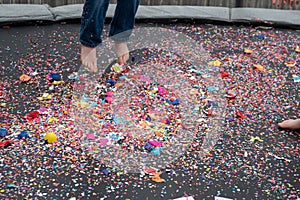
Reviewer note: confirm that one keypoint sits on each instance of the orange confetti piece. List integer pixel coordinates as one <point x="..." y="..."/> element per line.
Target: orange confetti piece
<point x="117" y="85"/>
<point x="144" y="124"/>
<point x="259" y="67"/>
<point x="290" y="64"/>
<point x="297" y="49"/>
<point x="159" y="134"/>
<point x="24" y="78"/>
<point x="156" y="178"/>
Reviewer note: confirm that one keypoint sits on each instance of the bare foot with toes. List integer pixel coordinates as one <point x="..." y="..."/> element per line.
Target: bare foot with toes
<point x="122" y="52"/>
<point x="88" y="58"/>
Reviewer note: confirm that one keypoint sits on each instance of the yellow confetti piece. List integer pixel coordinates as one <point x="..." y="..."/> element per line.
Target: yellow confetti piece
<point x="119" y="173"/>
<point x="154" y="91"/>
<point x="216" y="63"/>
<point x="68" y="148"/>
<point x="57" y="82"/>
<point x="153" y="116"/>
<point x="45" y="96"/>
<point x="256" y="139"/>
<point x="290" y="185"/>
<point x="211" y="63"/>
<point x="161" y="130"/>
<point x="50" y="137"/>
<point x="3" y="104"/>
<point x="58" y="150"/>
<point x="117" y="68"/>
<point x="52" y="119"/>
<point x="82" y="104"/>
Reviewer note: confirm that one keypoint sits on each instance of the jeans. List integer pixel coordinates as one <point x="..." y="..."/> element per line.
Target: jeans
<point x="93" y="18"/>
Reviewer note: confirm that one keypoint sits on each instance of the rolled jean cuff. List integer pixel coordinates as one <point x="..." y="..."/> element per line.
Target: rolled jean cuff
<point x="86" y="44"/>
<point x="121" y="37"/>
<point x="116" y="39"/>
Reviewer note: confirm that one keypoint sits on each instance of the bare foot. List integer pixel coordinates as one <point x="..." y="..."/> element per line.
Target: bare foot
<point x="292" y="124"/>
<point x="122" y="52"/>
<point x="88" y="58"/>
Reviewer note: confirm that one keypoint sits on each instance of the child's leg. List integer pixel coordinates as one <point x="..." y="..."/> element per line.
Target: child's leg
<point x="92" y="23"/>
<point x="122" y="25"/>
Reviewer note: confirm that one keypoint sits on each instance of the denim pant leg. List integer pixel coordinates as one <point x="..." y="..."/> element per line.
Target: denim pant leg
<point x="123" y="21"/>
<point x="92" y="22"/>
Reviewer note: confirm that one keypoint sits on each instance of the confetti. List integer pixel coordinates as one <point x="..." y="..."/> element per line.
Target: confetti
<point x="256" y="139"/>
<point x="50" y="137"/>
<point x="251" y="158"/>
<point x="156" y="178"/>
<point x="25" y="78"/>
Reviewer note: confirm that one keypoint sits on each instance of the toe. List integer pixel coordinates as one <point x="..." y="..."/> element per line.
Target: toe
<point x="126" y="57"/>
<point x="94" y="68"/>
<point x="121" y="60"/>
<point x="280" y="125"/>
<point x="284" y="124"/>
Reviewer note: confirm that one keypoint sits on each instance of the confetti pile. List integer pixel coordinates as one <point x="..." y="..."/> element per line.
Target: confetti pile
<point x="42" y="154"/>
<point x="148" y="112"/>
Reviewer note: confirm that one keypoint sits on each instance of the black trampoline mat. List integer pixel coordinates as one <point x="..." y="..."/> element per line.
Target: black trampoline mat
<point x="252" y="159"/>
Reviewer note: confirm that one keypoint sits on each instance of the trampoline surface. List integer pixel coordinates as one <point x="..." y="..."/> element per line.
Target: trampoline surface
<point x="252" y="159"/>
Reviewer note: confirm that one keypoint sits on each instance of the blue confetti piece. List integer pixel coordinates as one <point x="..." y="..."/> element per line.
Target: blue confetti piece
<point x="156" y="151"/>
<point x="94" y="104"/>
<point x="196" y="71"/>
<point x="118" y="120"/>
<point x="211" y="88"/>
<point x="175" y="102"/>
<point x="105" y="171"/>
<point x="3" y="132"/>
<point x="296" y="79"/>
<point x="23" y="134"/>
<point x="55" y="77"/>
<point x="261" y="37"/>
<point x="148" y="146"/>
<point x="111" y="82"/>
<point x="11" y="185"/>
